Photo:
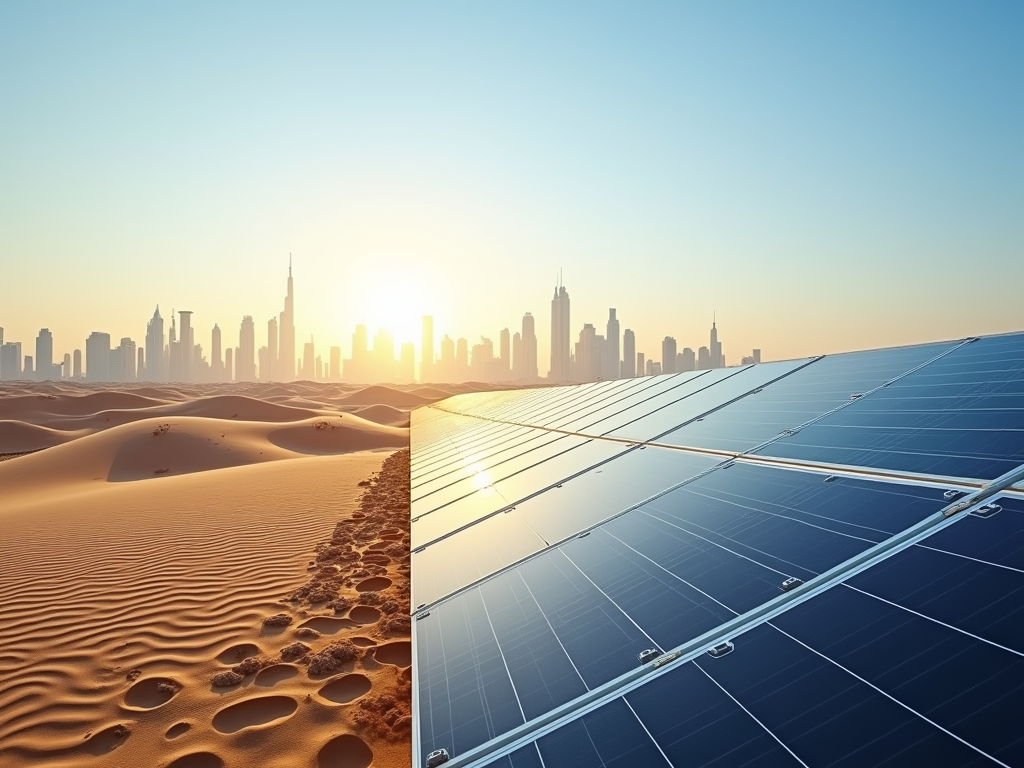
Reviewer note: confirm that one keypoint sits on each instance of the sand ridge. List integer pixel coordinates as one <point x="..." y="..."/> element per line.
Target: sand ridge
<point x="124" y="592"/>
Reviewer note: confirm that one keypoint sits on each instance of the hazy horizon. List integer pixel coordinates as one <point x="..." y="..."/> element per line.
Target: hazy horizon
<point x="824" y="178"/>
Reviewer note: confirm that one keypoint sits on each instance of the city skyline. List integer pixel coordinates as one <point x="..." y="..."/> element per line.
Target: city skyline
<point x="179" y="357"/>
<point x="675" y="162"/>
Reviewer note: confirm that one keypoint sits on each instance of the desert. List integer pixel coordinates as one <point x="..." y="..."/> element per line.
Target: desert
<point x="205" y="576"/>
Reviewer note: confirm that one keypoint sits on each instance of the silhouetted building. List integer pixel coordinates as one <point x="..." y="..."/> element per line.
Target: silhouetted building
<point x="461" y="359"/>
<point x="44" y="355"/>
<point x="641" y="369"/>
<point x="610" y="363"/>
<point x="446" y="371"/>
<point x="273" y="358"/>
<point x="688" y="360"/>
<point x="155" y="370"/>
<point x="216" y="361"/>
<point x="703" y="359"/>
<point x="10" y="360"/>
<point x="186" y="342"/>
<point x="229" y="364"/>
<point x="561" y="366"/>
<point x="245" y="361"/>
<point x="263" y="363"/>
<point x="757" y="355"/>
<point x="715" y="350"/>
<point x="29" y="369"/>
<point x="126" y="358"/>
<point x="628" y="370"/>
<point x="308" y="371"/>
<point x="66" y="366"/>
<point x="518" y="364"/>
<point x="529" y="370"/>
<point x="505" y="345"/>
<point x="97" y="357"/>
<point x="285" y="368"/>
<point x="77" y="364"/>
<point x="668" y="355"/>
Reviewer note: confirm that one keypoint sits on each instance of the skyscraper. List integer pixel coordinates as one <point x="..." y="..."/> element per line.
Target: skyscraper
<point x="66" y="366"/>
<point x="715" y="348"/>
<point x="245" y="363"/>
<point x="517" y="357"/>
<point x="229" y="364"/>
<point x="216" y="363"/>
<point x="610" y="362"/>
<point x="529" y="369"/>
<point x="668" y="355"/>
<point x="689" y="360"/>
<point x="308" y="371"/>
<point x="126" y="360"/>
<point x="44" y="355"/>
<point x="628" y="354"/>
<point x="185" y="344"/>
<point x="273" y="357"/>
<point x="77" y="365"/>
<point x="427" y="350"/>
<point x="10" y="360"/>
<point x="155" y="348"/>
<point x="641" y="370"/>
<point x="561" y="368"/>
<point x="97" y="357"/>
<point x="505" y="354"/>
<point x="286" y="331"/>
<point x="703" y="359"/>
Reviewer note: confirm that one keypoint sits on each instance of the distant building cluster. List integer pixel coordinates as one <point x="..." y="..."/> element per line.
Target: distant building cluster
<point x="177" y="357"/>
<point x="599" y="357"/>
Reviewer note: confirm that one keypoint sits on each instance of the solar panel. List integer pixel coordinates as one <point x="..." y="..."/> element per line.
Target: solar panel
<point x="692" y="581"/>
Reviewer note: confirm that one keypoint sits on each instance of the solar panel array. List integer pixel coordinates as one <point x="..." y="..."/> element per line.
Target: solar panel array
<point x="823" y="558"/>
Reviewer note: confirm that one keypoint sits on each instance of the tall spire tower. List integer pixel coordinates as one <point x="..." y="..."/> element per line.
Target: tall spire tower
<point x="286" y="331"/>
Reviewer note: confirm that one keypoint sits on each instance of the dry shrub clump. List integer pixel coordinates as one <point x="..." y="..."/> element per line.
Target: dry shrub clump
<point x="294" y="651"/>
<point x="252" y="665"/>
<point x="340" y="605"/>
<point x="385" y="716"/>
<point x="225" y="679"/>
<point x="331" y="658"/>
<point x="278" y="620"/>
<point x="397" y="625"/>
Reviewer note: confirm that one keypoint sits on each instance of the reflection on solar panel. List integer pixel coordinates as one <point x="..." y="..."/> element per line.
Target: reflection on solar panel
<point x="814" y="562"/>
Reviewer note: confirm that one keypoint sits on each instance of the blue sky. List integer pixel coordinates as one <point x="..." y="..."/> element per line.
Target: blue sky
<point x="825" y="176"/>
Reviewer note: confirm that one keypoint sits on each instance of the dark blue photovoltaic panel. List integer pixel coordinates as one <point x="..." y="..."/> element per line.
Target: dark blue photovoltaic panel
<point x="915" y="660"/>
<point x="701" y="395"/>
<point x="696" y="724"/>
<point x="524" y="475"/>
<point x="465" y="694"/>
<point x="610" y="736"/>
<point x="967" y="686"/>
<point x="961" y="416"/>
<point x="998" y="539"/>
<point x="804" y="395"/>
<point x="826" y="716"/>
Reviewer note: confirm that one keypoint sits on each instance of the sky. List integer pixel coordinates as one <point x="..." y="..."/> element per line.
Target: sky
<point x="820" y="176"/>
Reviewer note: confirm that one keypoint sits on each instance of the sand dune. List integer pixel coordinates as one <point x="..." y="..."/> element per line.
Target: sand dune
<point x="20" y="437"/>
<point x="141" y="560"/>
<point x="378" y="395"/>
<point x="384" y="414"/>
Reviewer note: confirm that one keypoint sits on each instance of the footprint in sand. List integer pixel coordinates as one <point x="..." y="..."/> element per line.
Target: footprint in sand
<point x="253" y="712"/>
<point x="237" y="653"/>
<point x="198" y="760"/>
<point x="274" y="674"/>
<point x="346" y="751"/>
<point x="151" y="692"/>
<point x="176" y="730"/>
<point x="107" y="740"/>
<point x="398" y="653"/>
<point x="342" y="690"/>
<point x="364" y="614"/>
<point x="373" y="584"/>
<point x="326" y="625"/>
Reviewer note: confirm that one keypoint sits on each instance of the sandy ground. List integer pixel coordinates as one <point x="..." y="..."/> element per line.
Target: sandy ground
<point x="205" y="577"/>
